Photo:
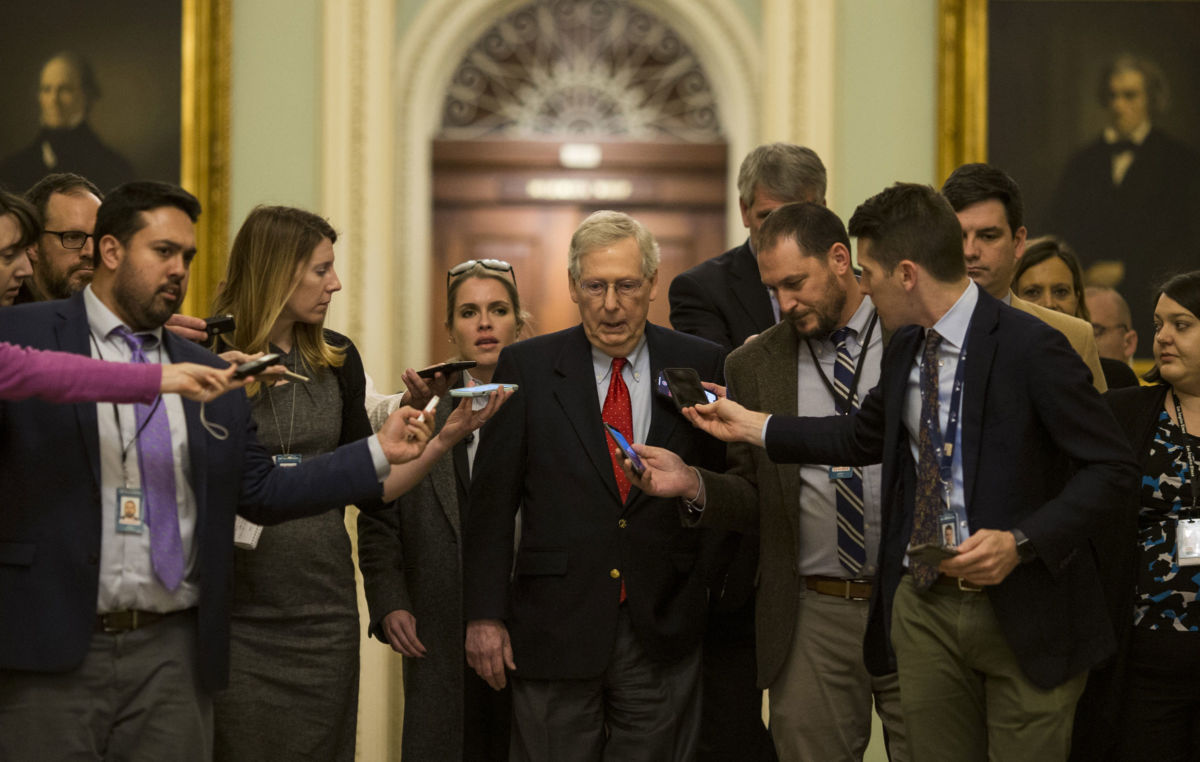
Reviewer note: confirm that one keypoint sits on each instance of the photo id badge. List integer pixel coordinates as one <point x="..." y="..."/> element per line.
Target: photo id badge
<point x="840" y="472"/>
<point x="948" y="530"/>
<point x="1187" y="539"/>
<point x="287" y="460"/>
<point x="130" y="519"/>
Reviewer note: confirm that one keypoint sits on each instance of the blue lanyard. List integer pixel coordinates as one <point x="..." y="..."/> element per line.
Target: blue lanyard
<point x="944" y="444"/>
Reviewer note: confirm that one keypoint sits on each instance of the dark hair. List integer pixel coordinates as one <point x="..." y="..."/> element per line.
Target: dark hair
<point x="913" y="222"/>
<point x="1185" y="289"/>
<point x="58" y="182"/>
<point x="120" y="214"/>
<point x="1157" y="94"/>
<point x="87" y="76"/>
<point x="1039" y="250"/>
<point x="971" y="184"/>
<point x="813" y="227"/>
<point x="26" y="216"/>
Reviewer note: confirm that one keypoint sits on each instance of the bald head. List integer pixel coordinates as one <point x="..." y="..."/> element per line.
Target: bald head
<point x="1112" y="321"/>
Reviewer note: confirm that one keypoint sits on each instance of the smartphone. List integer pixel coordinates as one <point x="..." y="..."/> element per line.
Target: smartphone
<point x="685" y="387"/>
<point x="256" y="366"/>
<point x="482" y="390"/>
<point x="638" y="467"/>
<point x="446" y="368"/>
<point x="931" y="553"/>
<point x="218" y="324"/>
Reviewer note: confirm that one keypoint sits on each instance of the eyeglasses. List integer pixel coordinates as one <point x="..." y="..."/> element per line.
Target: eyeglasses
<point x="499" y="265"/>
<point x="1100" y="330"/>
<point x="598" y="289"/>
<point x="71" y="239"/>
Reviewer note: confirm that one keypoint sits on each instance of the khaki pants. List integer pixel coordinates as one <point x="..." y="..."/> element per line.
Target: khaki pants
<point x="963" y="694"/>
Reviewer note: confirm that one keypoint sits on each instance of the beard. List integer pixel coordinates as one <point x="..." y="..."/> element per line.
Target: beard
<point x="145" y="311"/>
<point x="828" y="312"/>
<point x="61" y="286"/>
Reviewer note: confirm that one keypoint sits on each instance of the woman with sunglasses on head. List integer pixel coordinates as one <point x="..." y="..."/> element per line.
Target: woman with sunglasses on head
<point x="1048" y="274"/>
<point x="1150" y="696"/>
<point x="411" y="556"/>
<point x="293" y="690"/>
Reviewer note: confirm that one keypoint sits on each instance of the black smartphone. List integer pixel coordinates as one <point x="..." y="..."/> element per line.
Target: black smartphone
<point x="685" y="386"/>
<point x="218" y="324"/>
<point x="446" y="368"/>
<point x="931" y="553"/>
<point x="636" y="463"/>
<point x="256" y="366"/>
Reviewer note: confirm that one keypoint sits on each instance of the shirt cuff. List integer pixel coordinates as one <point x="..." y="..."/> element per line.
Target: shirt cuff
<point x="763" y="434"/>
<point x="380" y="461"/>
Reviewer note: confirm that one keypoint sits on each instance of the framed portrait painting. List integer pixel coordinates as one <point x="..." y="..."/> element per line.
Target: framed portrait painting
<point x="123" y="90"/>
<point x="1093" y="107"/>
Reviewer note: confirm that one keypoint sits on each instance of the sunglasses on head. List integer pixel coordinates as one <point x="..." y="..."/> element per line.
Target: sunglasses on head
<point x="499" y="265"/>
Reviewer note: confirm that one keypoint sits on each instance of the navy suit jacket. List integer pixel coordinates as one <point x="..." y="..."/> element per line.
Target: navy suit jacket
<point x="722" y="299"/>
<point x="546" y="452"/>
<point x="50" y="523"/>
<point x="1041" y="452"/>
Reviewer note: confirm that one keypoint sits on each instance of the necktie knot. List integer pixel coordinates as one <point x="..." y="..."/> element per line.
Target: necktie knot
<point x="618" y="364"/>
<point x="933" y="341"/>
<point x="840" y="336"/>
<point x="138" y="342"/>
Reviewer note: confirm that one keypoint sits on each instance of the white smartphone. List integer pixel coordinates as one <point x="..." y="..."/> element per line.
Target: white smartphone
<point x="482" y="390"/>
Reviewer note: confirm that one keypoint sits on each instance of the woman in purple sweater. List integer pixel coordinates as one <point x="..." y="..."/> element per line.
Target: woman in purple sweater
<point x="65" y="377"/>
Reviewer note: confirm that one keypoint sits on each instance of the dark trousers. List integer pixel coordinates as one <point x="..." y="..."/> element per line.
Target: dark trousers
<point x="1162" y="700"/>
<point x="731" y="724"/>
<point x="638" y="710"/>
<point x="486" y="720"/>
<point x="135" y="697"/>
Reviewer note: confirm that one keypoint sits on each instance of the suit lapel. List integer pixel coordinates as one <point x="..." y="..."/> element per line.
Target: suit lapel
<point x="981" y="351"/>
<point x="197" y="446"/>
<point x="442" y="475"/>
<point x="73" y="335"/>
<point x="663" y="415"/>
<point x="574" y="388"/>
<point x="748" y="288"/>
<point x="781" y="348"/>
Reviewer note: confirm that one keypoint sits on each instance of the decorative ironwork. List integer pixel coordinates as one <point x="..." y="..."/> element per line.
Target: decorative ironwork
<point x="581" y="69"/>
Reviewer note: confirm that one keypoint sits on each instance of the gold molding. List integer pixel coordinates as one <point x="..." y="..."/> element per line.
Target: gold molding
<point x="204" y="140"/>
<point x="962" y="83"/>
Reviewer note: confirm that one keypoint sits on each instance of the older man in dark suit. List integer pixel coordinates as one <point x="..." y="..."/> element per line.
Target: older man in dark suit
<point x="986" y="423"/>
<point x="601" y="616"/>
<point x="116" y="537"/>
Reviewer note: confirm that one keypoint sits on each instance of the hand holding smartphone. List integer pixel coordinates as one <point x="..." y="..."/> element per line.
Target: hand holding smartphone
<point x="931" y="553"/>
<point x="635" y="462"/>
<point x="481" y="390"/>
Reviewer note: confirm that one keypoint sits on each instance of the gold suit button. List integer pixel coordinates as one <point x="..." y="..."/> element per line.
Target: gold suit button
<point x="615" y="573"/>
<point x="622" y="523"/>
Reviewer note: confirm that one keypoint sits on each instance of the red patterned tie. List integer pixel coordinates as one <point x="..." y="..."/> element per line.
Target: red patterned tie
<point x="618" y="413"/>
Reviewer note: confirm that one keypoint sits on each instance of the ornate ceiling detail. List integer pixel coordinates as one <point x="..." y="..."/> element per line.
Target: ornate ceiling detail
<point x="580" y="69"/>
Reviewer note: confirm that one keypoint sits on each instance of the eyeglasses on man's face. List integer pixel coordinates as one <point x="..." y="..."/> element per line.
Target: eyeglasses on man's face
<point x="1101" y="329"/>
<point x="598" y="289"/>
<point x="70" y="239"/>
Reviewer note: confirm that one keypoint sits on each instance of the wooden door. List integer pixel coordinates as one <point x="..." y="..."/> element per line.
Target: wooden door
<point x="487" y="205"/>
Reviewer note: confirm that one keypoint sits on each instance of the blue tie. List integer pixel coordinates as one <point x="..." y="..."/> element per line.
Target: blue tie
<point x="157" y="466"/>
<point x="852" y="547"/>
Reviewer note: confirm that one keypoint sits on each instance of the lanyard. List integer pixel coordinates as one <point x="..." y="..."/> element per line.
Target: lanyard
<point x="944" y="444"/>
<point x="117" y="417"/>
<point x="1187" y="448"/>
<point x="852" y="392"/>
<point x="285" y="447"/>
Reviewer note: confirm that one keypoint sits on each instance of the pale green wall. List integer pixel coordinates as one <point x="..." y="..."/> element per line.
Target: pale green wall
<point x="275" y="120"/>
<point x="886" y="97"/>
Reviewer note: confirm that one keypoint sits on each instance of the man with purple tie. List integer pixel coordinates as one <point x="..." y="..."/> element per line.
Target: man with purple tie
<point x="114" y="619"/>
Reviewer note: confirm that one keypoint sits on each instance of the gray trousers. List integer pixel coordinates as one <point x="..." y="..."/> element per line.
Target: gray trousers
<point x="821" y="700"/>
<point x="639" y="710"/>
<point x="135" y="697"/>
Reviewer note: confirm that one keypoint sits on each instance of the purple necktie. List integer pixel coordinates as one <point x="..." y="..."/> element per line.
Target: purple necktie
<point x="157" y="466"/>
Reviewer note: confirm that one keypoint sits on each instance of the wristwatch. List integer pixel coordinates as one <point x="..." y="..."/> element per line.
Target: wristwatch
<point x="1025" y="549"/>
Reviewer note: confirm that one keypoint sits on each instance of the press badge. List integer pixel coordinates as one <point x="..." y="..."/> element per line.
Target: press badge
<point x="841" y="472"/>
<point x="1187" y="539"/>
<point x="130" y="519"/>
<point x="948" y="530"/>
<point x="287" y="460"/>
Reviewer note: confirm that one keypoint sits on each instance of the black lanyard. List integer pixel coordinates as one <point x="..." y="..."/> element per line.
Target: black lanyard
<point x="862" y="357"/>
<point x="1187" y="448"/>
